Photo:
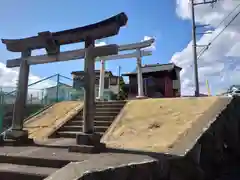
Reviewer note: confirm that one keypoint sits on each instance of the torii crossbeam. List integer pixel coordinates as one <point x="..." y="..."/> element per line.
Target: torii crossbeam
<point x="75" y="54"/>
<point x="138" y="54"/>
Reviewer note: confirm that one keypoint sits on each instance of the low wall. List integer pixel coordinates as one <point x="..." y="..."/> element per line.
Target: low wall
<point x="219" y="146"/>
<point x="142" y="171"/>
<point x="215" y="150"/>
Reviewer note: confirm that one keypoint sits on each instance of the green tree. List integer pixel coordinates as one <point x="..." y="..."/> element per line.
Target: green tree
<point x="122" y="91"/>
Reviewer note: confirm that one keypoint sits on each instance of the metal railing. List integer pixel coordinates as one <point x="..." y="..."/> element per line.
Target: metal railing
<point x="41" y="93"/>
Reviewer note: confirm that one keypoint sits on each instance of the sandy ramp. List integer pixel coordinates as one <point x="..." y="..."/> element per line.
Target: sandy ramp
<point x="45" y="123"/>
<point x="156" y="124"/>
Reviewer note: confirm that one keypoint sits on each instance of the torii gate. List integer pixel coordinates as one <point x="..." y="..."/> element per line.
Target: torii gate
<point x="137" y="54"/>
<point x="52" y="42"/>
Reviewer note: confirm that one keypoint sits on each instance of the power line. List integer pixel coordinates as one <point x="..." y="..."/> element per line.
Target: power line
<point x="229" y="14"/>
<point x="207" y="47"/>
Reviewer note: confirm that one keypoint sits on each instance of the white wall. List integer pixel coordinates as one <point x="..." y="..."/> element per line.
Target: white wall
<point x="114" y="89"/>
<point x="63" y="93"/>
<point x="177" y="83"/>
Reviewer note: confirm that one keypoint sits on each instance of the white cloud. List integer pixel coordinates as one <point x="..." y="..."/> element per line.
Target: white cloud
<point x="153" y="46"/>
<point x="220" y="65"/>
<point x="9" y="78"/>
<point x="100" y="43"/>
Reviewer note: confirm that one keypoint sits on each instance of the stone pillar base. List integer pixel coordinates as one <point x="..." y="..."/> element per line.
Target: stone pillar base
<point x="88" y="143"/>
<point x="1" y="139"/>
<point x="18" y="136"/>
<point x="99" y="99"/>
<point x="88" y="139"/>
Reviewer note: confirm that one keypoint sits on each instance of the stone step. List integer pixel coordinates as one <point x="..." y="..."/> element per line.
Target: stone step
<point x="103" y="108"/>
<point x="97" y="118"/>
<point x="69" y="134"/>
<point x="65" y="134"/>
<point x="30" y="161"/>
<point x="24" y="172"/>
<point x="108" y="113"/>
<point x="87" y="148"/>
<point x="96" y="123"/>
<point x="79" y="128"/>
<point x="110" y="105"/>
<point x="110" y="102"/>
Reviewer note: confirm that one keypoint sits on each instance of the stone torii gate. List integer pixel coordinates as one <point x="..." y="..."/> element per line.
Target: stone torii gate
<point x="137" y="54"/>
<point x="52" y="42"/>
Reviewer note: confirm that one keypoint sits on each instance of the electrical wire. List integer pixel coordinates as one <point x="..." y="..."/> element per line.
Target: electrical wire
<point x="229" y="14"/>
<point x="207" y="47"/>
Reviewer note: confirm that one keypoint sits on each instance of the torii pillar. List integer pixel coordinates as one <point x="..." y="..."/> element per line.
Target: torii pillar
<point x="19" y="109"/>
<point x="101" y="81"/>
<point x="139" y="75"/>
<point x="89" y="137"/>
<point x="89" y="86"/>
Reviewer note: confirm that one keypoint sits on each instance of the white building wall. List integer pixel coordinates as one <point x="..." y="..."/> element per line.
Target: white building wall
<point x="177" y="83"/>
<point x="64" y="93"/>
<point x="114" y="89"/>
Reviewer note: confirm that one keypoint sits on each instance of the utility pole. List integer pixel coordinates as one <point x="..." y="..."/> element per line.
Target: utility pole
<point x="194" y="45"/>
<point x="195" y="58"/>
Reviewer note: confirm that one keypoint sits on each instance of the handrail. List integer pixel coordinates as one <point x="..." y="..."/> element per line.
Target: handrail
<point x="34" y="83"/>
<point x="65" y="77"/>
<point x="45" y="100"/>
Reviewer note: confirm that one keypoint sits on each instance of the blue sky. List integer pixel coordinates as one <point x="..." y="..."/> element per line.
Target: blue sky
<point x="166" y="20"/>
<point x="155" y="18"/>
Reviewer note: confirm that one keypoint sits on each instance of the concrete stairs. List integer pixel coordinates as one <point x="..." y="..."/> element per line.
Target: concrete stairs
<point x="104" y="116"/>
<point x="22" y="168"/>
<point x="35" y="161"/>
<point x="22" y="172"/>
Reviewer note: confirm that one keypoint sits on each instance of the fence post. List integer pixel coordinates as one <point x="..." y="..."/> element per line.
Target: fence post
<point x="46" y="100"/>
<point x="31" y="98"/>
<point x="1" y="111"/>
<point x="57" y="90"/>
<point x="42" y="99"/>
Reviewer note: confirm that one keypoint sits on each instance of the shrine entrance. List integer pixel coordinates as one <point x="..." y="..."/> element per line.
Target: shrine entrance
<point x="51" y="42"/>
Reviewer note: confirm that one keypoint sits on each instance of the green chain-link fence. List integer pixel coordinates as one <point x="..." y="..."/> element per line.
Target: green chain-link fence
<point x="42" y="93"/>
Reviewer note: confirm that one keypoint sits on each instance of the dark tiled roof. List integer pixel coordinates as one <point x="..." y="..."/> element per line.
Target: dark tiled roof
<point x="96" y="71"/>
<point x="155" y="68"/>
